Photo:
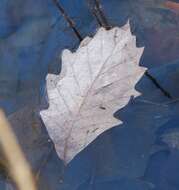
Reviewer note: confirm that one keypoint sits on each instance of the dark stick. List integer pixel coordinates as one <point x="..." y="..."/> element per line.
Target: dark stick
<point x="68" y="19"/>
<point x="155" y="82"/>
<point x="90" y="5"/>
<point x="99" y="10"/>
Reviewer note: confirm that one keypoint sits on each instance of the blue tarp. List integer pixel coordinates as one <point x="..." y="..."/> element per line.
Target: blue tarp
<point x="132" y="156"/>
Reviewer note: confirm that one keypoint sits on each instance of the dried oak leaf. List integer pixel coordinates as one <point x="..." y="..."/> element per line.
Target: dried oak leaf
<point x="96" y="80"/>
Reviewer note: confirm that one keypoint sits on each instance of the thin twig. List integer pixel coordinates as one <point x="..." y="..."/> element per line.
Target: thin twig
<point x="68" y="19"/>
<point x="167" y="94"/>
<point x="17" y="165"/>
<point x="99" y="11"/>
<point x="91" y="7"/>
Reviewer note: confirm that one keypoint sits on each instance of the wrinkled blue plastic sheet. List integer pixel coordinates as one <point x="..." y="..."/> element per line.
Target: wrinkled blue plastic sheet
<point x="132" y="156"/>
